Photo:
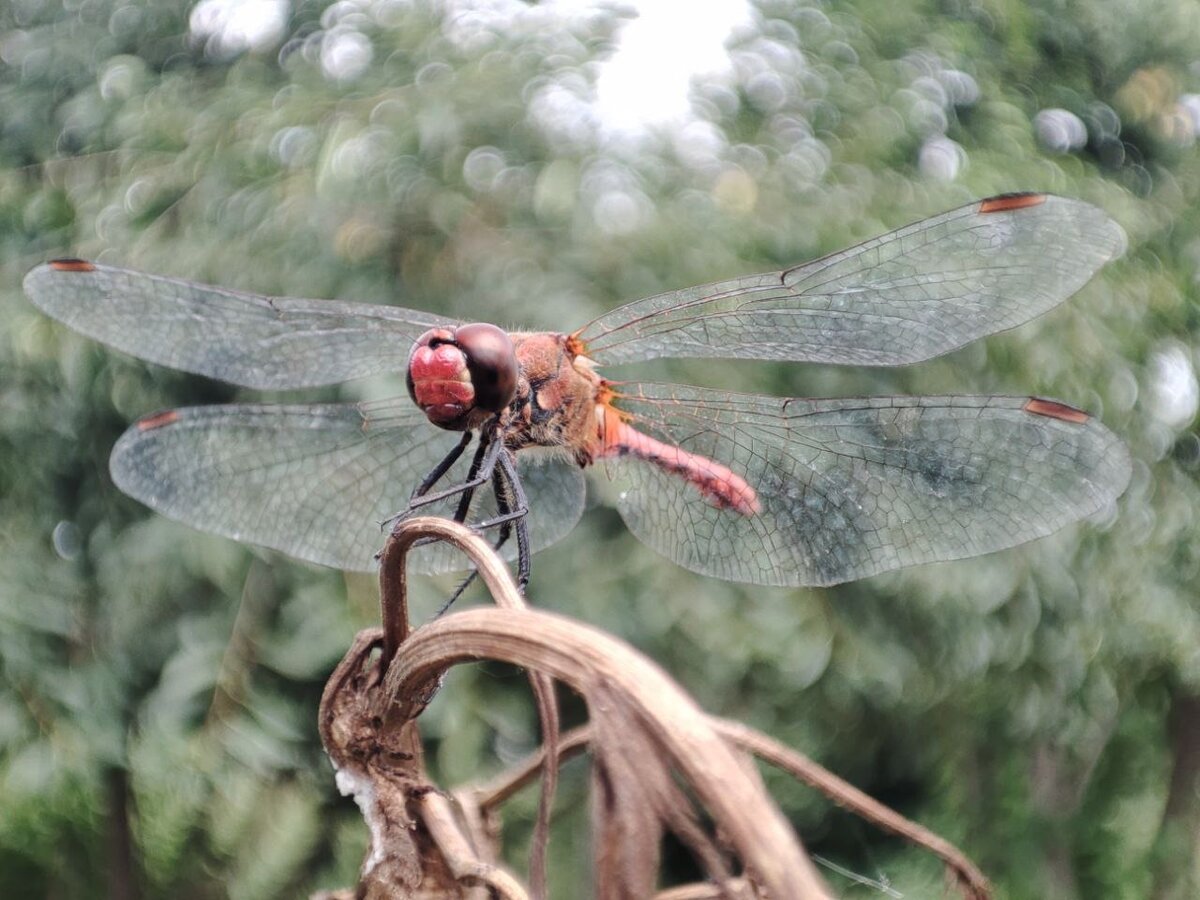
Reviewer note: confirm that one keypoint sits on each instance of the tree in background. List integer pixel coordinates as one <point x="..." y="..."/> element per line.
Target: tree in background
<point x="1038" y="706"/>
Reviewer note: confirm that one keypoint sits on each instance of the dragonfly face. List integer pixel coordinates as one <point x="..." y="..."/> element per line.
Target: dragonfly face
<point x="781" y="491"/>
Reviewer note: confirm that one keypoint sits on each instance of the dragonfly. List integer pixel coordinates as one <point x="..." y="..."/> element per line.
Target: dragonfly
<point x="750" y="488"/>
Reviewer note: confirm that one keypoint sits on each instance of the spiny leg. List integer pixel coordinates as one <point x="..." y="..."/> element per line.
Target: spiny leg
<point x="422" y="489"/>
<point x="520" y="504"/>
<point x="481" y="472"/>
<point x="505" y="531"/>
<point x="442" y="468"/>
<point x="464" y="502"/>
<point x="467" y="489"/>
<point x="509" y="494"/>
<point x="492" y="461"/>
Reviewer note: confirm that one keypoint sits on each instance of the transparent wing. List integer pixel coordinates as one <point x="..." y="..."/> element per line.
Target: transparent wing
<point x="906" y="296"/>
<point x="270" y="343"/>
<point x="317" y="481"/>
<point x="849" y="488"/>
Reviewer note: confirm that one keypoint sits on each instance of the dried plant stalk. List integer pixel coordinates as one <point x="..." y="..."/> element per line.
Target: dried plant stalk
<point x="655" y="755"/>
<point x="970" y="880"/>
<point x="597" y="665"/>
<point x="393" y="594"/>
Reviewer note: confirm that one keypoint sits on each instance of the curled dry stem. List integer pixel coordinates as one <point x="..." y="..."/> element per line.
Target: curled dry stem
<point x="632" y="704"/>
<point x="376" y="749"/>
<point x="393" y="593"/>
<point x="971" y="882"/>
<point x="653" y="751"/>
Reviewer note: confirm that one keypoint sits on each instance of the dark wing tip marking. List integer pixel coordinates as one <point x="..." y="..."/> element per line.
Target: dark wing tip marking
<point x="1006" y="202"/>
<point x="1055" y="410"/>
<point x="158" y="420"/>
<point x="71" y="264"/>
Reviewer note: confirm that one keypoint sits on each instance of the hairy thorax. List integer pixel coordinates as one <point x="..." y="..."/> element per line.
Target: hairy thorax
<point x="557" y="396"/>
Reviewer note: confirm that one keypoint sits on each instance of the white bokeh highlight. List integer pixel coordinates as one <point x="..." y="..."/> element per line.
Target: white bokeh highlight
<point x="229" y="27"/>
<point x="647" y="81"/>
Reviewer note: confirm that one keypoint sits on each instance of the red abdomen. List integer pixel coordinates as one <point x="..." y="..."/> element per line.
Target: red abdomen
<point x="718" y="484"/>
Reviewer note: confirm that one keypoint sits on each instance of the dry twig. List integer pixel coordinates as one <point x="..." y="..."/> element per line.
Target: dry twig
<point x="488" y="795"/>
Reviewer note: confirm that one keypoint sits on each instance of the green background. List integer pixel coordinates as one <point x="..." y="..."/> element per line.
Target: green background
<point x="158" y="687"/>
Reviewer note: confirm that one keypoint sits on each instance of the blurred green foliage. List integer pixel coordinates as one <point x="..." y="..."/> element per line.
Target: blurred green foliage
<point x="159" y="686"/>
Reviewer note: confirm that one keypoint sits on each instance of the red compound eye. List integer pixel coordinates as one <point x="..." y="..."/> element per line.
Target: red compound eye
<point x="492" y="362"/>
<point x="460" y="377"/>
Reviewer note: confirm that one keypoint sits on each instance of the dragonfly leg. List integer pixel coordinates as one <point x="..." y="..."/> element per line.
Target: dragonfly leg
<point x="519" y="504"/>
<point x="502" y="520"/>
<point x="508" y="494"/>
<point x="458" y="592"/>
<point x="485" y="459"/>
<point x="485" y="456"/>
<point x="466" y="489"/>
<point x="464" y="502"/>
<point x="441" y="468"/>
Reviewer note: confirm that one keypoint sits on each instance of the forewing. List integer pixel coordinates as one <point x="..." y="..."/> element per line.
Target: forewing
<point x="850" y="488"/>
<point x="315" y="481"/>
<point x="906" y="296"/>
<point x="270" y="343"/>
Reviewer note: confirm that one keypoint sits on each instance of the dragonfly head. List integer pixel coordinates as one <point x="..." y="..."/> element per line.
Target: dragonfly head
<point x="460" y="377"/>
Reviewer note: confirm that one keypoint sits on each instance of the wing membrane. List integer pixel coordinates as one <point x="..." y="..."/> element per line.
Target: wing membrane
<point x="316" y="481"/>
<point x="270" y="343"/>
<point x="850" y="488"/>
<point x="909" y="295"/>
